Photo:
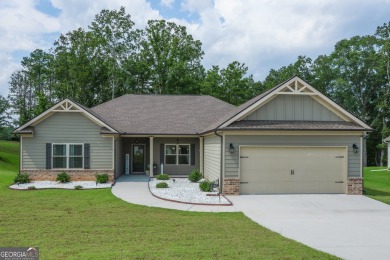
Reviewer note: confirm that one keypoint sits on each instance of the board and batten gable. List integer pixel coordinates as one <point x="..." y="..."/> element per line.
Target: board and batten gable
<point x="293" y="107"/>
<point x="67" y="127"/>
<point x="232" y="159"/>
<point x="212" y="157"/>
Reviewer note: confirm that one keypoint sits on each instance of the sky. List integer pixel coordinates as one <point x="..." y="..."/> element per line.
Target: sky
<point x="263" y="34"/>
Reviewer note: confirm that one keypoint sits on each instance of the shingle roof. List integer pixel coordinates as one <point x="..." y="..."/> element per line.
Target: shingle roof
<point x="162" y="114"/>
<point x="294" y="125"/>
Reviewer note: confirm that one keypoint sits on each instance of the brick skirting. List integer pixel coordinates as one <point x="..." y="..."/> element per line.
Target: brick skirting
<point x="355" y="186"/>
<point x="75" y="175"/>
<point x="231" y="186"/>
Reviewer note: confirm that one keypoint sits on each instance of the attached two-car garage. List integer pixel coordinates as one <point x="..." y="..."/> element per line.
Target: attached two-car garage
<point x="283" y="170"/>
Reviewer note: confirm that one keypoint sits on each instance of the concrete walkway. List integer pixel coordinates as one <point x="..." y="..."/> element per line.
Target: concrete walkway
<point x="134" y="189"/>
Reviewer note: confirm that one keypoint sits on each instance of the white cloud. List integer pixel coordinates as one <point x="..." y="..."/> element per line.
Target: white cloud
<point x="270" y="34"/>
<point x="167" y="3"/>
<point x="22" y="25"/>
<point x="76" y="13"/>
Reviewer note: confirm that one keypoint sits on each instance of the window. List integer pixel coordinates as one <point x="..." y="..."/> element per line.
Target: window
<point x="67" y="156"/>
<point x="178" y="154"/>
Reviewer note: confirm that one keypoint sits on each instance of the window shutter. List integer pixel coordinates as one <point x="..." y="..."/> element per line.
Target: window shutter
<point x="86" y="156"/>
<point x="192" y="154"/>
<point x="162" y="153"/>
<point x="48" y="155"/>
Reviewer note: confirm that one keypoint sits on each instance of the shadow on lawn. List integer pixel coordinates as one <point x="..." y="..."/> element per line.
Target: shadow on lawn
<point x="373" y="192"/>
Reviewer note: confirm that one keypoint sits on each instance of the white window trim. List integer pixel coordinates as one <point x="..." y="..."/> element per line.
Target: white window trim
<point x="67" y="156"/>
<point x="177" y="154"/>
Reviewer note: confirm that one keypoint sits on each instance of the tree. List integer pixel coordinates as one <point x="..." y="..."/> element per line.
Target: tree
<point x="4" y="116"/>
<point x="116" y="44"/>
<point x="171" y="59"/>
<point x="301" y="68"/>
<point x="21" y="97"/>
<point x="230" y="84"/>
<point x="80" y="73"/>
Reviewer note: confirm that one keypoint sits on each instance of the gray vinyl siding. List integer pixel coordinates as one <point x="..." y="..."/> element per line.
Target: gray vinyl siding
<point x="175" y="169"/>
<point x="232" y="160"/>
<point x="212" y="157"/>
<point x="292" y="107"/>
<point x="71" y="127"/>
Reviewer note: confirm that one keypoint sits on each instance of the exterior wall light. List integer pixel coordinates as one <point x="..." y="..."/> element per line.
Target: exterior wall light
<point x="177" y="141"/>
<point x="231" y="148"/>
<point x="355" y="148"/>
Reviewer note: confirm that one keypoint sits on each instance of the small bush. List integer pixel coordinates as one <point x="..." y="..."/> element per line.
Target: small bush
<point x="31" y="188"/>
<point x="205" y="186"/>
<point x="22" y="178"/>
<point x="63" y="177"/>
<point x="102" y="178"/>
<point x="78" y="187"/>
<point x="162" y="185"/>
<point x="162" y="177"/>
<point x="195" y="176"/>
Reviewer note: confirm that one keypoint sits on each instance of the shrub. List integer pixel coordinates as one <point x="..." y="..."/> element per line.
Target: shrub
<point x="31" y="188"/>
<point x="102" y="178"/>
<point x="205" y="186"/>
<point x="195" y="176"/>
<point x="162" y="185"/>
<point x="78" y="187"/>
<point x="63" y="177"/>
<point x="162" y="177"/>
<point x="22" y="178"/>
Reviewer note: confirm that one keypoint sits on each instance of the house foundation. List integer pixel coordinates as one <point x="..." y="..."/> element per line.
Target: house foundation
<point x="355" y="186"/>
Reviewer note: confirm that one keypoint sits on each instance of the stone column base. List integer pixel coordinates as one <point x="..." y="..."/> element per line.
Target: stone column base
<point x="355" y="186"/>
<point x="75" y="175"/>
<point x="231" y="186"/>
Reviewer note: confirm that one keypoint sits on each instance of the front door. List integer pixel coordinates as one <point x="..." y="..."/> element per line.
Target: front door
<point x="138" y="158"/>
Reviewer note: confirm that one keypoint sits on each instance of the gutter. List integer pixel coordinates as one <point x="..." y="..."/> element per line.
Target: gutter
<point x="221" y="165"/>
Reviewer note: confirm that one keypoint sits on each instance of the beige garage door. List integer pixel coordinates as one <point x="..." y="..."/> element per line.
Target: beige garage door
<point x="278" y="170"/>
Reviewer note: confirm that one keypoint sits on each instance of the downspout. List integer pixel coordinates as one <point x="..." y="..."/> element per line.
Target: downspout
<point x="221" y="166"/>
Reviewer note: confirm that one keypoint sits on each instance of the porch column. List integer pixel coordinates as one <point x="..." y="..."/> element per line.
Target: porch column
<point x="151" y="156"/>
<point x="201" y="154"/>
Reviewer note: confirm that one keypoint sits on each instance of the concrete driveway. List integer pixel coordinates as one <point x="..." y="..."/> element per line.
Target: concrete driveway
<point x="351" y="227"/>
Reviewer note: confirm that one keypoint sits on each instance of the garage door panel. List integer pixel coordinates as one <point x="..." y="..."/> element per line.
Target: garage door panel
<point x="267" y="170"/>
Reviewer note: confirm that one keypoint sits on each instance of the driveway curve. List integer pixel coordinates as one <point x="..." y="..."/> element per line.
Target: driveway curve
<point x="348" y="226"/>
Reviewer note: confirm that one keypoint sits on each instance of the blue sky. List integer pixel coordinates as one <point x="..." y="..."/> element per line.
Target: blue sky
<point x="263" y="34"/>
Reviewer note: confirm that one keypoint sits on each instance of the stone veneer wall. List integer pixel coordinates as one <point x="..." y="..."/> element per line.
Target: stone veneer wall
<point x="355" y="186"/>
<point x="75" y="175"/>
<point x="231" y="186"/>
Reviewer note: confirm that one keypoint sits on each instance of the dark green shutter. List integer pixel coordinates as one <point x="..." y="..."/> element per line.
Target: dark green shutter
<point x="48" y="155"/>
<point x="192" y="154"/>
<point x="87" y="164"/>
<point x="162" y="153"/>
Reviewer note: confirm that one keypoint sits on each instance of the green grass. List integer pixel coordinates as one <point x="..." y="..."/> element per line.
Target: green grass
<point x="94" y="224"/>
<point x="377" y="183"/>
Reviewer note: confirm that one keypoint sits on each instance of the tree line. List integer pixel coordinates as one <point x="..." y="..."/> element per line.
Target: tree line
<point x="112" y="58"/>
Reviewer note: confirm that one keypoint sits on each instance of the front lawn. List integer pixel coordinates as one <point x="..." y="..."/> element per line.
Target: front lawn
<point x="93" y="224"/>
<point x="377" y="183"/>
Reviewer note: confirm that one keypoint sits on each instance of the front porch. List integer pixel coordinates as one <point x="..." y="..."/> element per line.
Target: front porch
<point x="152" y="155"/>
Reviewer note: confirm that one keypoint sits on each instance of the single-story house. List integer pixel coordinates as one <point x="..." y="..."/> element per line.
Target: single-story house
<point x="290" y="139"/>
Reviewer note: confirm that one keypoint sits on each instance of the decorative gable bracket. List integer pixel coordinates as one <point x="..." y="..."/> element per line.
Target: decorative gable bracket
<point x="66" y="106"/>
<point x="296" y="88"/>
